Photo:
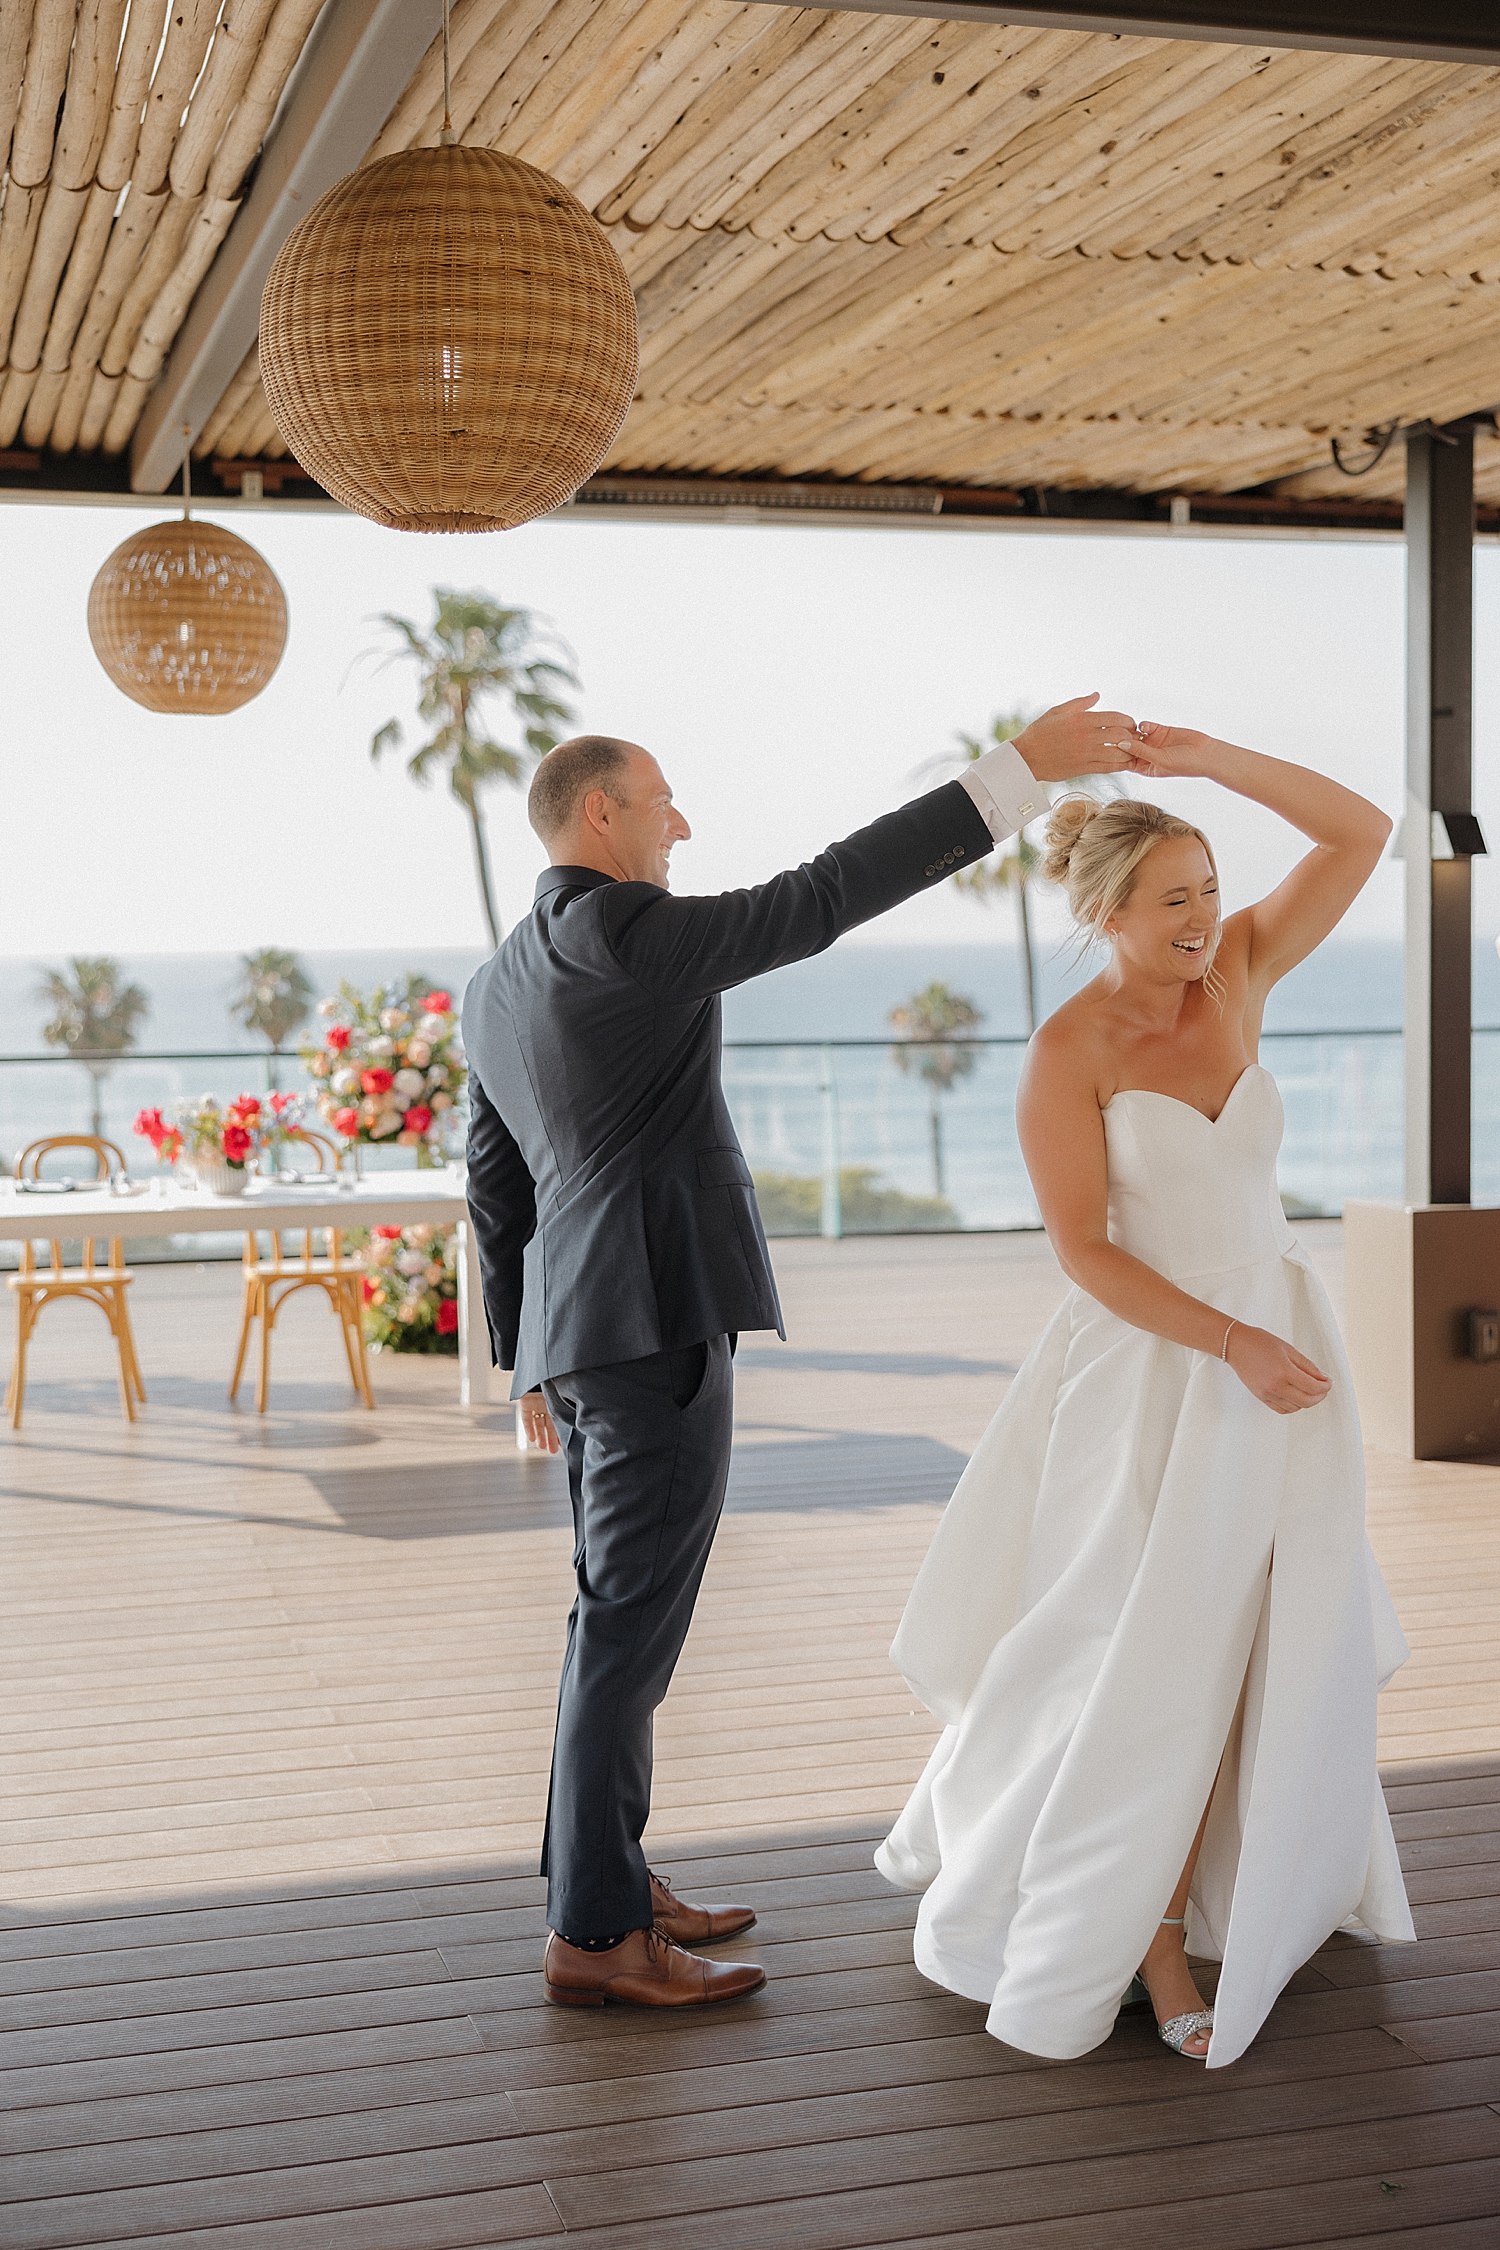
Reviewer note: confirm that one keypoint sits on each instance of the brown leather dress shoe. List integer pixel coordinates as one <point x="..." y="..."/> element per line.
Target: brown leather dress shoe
<point x="647" y="1969"/>
<point x="696" y="1925"/>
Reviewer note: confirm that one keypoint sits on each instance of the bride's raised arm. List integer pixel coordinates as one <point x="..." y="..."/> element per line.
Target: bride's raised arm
<point x="1348" y="835"/>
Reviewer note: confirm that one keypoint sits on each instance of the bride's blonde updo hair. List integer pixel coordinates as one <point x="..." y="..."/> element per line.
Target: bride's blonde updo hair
<point x="1094" y="851"/>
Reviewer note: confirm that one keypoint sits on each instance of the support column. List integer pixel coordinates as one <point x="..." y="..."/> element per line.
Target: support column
<point x="1415" y="1272"/>
<point x="1439" y="781"/>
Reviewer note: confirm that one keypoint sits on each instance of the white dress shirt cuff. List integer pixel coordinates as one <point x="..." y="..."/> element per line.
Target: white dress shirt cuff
<point x="1005" y="790"/>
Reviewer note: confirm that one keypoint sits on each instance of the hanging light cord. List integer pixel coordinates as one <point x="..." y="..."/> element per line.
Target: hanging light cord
<point x="447" y="137"/>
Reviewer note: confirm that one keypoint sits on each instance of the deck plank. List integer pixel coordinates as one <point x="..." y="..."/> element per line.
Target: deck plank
<point x="274" y="1733"/>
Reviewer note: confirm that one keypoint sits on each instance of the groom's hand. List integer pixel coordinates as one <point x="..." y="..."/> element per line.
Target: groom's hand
<point x="1073" y="739"/>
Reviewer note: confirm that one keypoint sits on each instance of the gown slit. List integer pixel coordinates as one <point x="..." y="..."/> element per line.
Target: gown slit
<point x="1149" y="1593"/>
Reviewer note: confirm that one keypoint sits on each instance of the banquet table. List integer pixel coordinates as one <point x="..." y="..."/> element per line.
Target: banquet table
<point x="166" y="1206"/>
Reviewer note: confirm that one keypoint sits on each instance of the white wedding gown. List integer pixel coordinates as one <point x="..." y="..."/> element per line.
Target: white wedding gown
<point x="1140" y="1565"/>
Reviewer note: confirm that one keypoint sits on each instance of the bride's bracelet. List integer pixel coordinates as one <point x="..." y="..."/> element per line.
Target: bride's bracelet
<point x="1224" y="1347"/>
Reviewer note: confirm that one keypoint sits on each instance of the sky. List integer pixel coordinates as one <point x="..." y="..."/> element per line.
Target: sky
<point x="793" y="682"/>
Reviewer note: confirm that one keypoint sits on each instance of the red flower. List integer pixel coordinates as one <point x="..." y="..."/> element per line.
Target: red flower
<point x="338" y="1037"/>
<point x="237" y="1144"/>
<point x="376" y="1081"/>
<point x="150" y="1127"/>
<point x="368" y="1285"/>
<point x="438" y="1003"/>
<point x="243" y="1110"/>
<point x="447" y="1316"/>
<point x="417" y="1120"/>
<point x="345" y="1121"/>
<point x="387" y="1234"/>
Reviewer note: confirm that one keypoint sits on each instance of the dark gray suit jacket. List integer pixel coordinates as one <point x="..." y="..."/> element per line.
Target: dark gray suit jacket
<point x="614" y="1211"/>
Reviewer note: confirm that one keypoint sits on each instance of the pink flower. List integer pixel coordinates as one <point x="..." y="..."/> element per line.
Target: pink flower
<point x="418" y="1120"/>
<point x="338" y="1037"/>
<point x="345" y="1121"/>
<point x="447" y="1317"/>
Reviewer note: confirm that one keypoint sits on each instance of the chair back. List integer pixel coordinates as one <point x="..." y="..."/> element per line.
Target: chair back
<point x="330" y="1159"/>
<point x="107" y="1161"/>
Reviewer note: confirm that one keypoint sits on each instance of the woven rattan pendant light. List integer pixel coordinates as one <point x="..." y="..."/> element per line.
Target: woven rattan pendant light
<point x="448" y="340"/>
<point x="187" y="617"/>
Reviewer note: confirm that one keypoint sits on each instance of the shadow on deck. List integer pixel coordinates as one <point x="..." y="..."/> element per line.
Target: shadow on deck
<point x="371" y="2063"/>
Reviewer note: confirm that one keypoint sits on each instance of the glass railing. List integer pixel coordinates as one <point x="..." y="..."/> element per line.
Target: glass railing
<point x="842" y="1139"/>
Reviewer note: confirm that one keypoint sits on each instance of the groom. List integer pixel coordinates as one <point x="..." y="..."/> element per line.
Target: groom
<point x="622" y="1253"/>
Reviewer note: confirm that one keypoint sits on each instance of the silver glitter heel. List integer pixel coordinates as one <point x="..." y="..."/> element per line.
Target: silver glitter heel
<point x="1178" y="2030"/>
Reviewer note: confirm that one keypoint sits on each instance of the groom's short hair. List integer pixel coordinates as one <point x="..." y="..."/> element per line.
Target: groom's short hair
<point x="566" y="775"/>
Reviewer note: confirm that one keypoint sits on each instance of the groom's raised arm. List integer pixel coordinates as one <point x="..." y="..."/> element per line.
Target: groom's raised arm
<point x="692" y="947"/>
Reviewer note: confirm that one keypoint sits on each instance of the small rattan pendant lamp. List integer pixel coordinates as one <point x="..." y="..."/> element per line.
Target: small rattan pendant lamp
<point x="185" y="616"/>
<point x="448" y="340"/>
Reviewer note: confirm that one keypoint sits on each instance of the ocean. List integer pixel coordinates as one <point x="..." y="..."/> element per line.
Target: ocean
<point x="902" y="1157"/>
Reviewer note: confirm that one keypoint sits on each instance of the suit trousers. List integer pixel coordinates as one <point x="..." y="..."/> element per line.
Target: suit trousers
<point x="647" y="1442"/>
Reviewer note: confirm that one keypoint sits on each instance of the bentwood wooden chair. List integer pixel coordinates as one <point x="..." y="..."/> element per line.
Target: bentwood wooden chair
<point x="105" y="1286"/>
<point x="271" y="1280"/>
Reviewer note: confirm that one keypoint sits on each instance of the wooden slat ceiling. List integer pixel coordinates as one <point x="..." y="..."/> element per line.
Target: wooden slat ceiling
<point x="862" y="246"/>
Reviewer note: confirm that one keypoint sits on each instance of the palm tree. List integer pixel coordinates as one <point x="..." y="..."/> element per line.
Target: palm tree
<point x="273" y="997"/>
<point x="475" y="649"/>
<point x="94" y="1017"/>
<point x="926" y="1022"/>
<point x="1012" y="868"/>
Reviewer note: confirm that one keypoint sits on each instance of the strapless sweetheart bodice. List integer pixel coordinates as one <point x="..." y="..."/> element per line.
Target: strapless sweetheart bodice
<point x="1189" y="1195"/>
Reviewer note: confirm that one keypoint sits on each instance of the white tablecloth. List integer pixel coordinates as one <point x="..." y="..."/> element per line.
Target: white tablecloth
<point x="386" y="1199"/>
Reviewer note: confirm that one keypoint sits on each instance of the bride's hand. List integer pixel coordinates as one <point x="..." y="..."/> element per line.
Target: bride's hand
<point x="1172" y="753"/>
<point x="1273" y="1372"/>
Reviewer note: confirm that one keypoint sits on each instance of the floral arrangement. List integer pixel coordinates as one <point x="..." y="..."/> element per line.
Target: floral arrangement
<point x="391" y="1066"/>
<point x="230" y="1133"/>
<point x="411" y="1288"/>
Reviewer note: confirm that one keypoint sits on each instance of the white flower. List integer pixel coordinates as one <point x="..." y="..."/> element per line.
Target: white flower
<point x="433" y="1271"/>
<point x="437" y="1076"/>
<point x="389" y="1121"/>
<point x="418" y="1052"/>
<point x="327" y="1007"/>
<point x="432" y="1027"/>
<point x="381" y="1046"/>
<point x="408" y="1083"/>
<point x="441" y="1101"/>
<point x="406" y="1311"/>
<point x="411" y="1262"/>
<point x="345" y="1081"/>
<point x="420" y="1234"/>
<point x="391" y="1019"/>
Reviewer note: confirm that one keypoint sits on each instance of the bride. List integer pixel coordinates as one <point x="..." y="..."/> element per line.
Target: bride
<point x="1150" y="1619"/>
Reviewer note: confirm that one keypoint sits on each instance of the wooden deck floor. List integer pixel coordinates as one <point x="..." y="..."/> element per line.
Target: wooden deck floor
<point x="275" y="1732"/>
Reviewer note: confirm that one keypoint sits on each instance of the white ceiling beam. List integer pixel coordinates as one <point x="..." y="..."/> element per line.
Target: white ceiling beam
<point x="357" y="62"/>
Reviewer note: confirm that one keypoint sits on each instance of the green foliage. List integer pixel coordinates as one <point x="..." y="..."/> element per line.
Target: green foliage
<point x="926" y="1021"/>
<point x="792" y="1203"/>
<point x="273" y="997"/>
<point x="94" y="1011"/>
<point x="477" y="650"/>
